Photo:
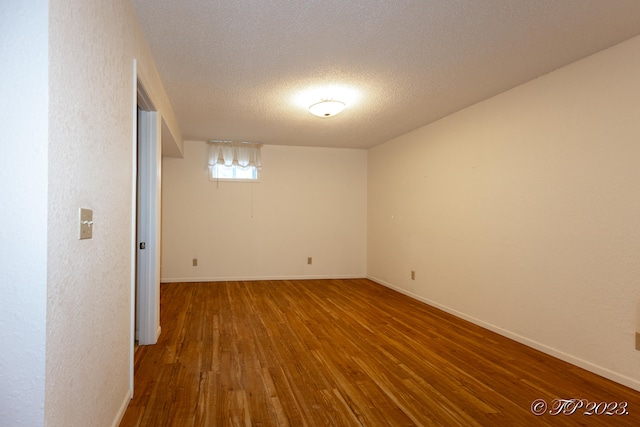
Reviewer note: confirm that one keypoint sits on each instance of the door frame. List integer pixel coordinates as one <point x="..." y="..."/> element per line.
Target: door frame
<point x="145" y="223"/>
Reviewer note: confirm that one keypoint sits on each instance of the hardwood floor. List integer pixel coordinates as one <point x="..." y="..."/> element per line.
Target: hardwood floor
<point x="345" y="353"/>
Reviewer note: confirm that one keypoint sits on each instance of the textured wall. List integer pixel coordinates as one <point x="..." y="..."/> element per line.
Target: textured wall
<point x="521" y="212"/>
<point x="92" y="49"/>
<point x="23" y="216"/>
<point x="311" y="202"/>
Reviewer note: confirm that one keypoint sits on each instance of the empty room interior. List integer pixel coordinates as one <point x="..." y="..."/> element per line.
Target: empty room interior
<point x="320" y="213"/>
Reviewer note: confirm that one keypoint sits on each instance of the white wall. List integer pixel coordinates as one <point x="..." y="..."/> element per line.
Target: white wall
<point x="521" y="213"/>
<point x="91" y="152"/>
<point x="23" y="216"/>
<point x="310" y="202"/>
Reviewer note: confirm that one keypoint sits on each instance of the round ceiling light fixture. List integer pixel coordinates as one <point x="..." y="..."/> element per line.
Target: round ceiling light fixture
<point x="326" y="108"/>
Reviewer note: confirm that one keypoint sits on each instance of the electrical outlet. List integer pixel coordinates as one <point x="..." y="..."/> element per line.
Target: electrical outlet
<point x="195" y="262"/>
<point x="309" y="260"/>
<point x="413" y="275"/>
<point x="637" y="340"/>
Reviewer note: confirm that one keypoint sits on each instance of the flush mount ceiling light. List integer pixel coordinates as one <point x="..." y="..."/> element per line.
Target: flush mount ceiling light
<point x="326" y="108"/>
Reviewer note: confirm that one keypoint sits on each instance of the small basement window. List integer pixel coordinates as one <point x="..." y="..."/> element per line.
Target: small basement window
<point x="233" y="173"/>
<point x="234" y="160"/>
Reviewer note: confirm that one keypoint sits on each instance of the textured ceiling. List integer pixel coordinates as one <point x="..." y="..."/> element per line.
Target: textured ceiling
<point x="236" y="69"/>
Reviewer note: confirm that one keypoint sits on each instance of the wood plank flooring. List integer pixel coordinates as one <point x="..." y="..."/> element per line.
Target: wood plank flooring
<point x="345" y="353"/>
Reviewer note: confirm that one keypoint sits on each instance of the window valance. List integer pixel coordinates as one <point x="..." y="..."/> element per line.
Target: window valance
<point x="238" y="153"/>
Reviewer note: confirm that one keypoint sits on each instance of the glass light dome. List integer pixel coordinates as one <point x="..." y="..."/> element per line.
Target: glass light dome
<point x="326" y="108"/>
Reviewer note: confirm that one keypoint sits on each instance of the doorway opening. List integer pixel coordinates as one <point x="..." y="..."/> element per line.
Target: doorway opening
<point x="145" y="258"/>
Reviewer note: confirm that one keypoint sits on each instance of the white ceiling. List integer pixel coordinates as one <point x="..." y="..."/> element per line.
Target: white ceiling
<point x="233" y="69"/>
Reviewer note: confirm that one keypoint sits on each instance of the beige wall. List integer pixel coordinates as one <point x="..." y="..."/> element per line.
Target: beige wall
<point x="310" y="202"/>
<point x="521" y="213"/>
<point x="92" y="47"/>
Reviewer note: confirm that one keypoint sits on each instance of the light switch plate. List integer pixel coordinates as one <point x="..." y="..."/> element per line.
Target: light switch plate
<point x="86" y="224"/>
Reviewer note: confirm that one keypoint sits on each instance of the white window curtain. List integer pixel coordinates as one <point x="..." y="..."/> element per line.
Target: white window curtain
<point x="238" y="153"/>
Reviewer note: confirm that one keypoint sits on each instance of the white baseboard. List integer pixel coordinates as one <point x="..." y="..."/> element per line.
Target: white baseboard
<point x="123" y="408"/>
<point x="255" y="278"/>
<point x="591" y="367"/>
